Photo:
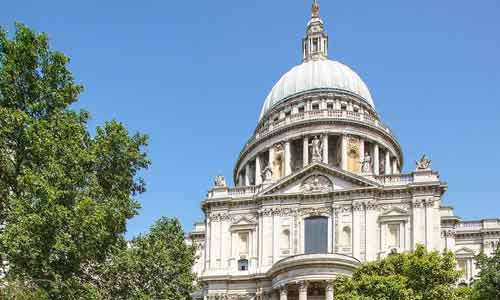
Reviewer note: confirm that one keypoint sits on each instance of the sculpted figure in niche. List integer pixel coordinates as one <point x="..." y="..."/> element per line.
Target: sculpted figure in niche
<point x="219" y="181"/>
<point x="366" y="164"/>
<point x="277" y="161"/>
<point x="316" y="152"/>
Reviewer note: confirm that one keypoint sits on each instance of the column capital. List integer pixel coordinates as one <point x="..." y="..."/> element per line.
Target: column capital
<point x="303" y="285"/>
<point x="283" y="289"/>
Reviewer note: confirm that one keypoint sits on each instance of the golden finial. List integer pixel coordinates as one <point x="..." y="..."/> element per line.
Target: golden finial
<point x="315" y="9"/>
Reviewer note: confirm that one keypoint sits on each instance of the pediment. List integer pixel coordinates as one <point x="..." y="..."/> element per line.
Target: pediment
<point x="318" y="178"/>
<point x="394" y="211"/>
<point x="464" y="251"/>
<point x="243" y="223"/>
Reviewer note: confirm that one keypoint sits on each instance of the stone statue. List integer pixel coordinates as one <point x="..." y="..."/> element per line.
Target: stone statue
<point x="219" y="181"/>
<point x="366" y="164"/>
<point x="424" y="163"/>
<point x="267" y="174"/>
<point x="316" y="152"/>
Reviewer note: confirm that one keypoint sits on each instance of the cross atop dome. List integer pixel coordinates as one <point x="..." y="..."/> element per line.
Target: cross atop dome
<point x="315" y="44"/>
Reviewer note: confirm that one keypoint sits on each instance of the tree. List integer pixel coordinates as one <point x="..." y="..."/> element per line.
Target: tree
<point x="65" y="195"/>
<point x="487" y="287"/>
<point x="156" y="265"/>
<point x="419" y="275"/>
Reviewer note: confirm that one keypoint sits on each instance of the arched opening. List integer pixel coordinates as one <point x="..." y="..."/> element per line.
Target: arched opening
<point x="316" y="235"/>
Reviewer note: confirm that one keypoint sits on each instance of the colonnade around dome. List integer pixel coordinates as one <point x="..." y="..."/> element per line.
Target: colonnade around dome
<point x="284" y="138"/>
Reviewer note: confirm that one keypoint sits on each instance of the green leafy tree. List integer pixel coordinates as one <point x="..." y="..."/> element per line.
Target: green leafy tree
<point x="418" y="275"/>
<point x="65" y="195"/>
<point x="156" y="265"/>
<point x="487" y="287"/>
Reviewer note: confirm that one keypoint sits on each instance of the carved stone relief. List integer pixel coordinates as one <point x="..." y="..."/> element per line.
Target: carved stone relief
<point x="316" y="183"/>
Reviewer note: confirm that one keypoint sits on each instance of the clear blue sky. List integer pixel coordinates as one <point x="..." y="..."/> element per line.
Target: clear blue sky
<point x="193" y="76"/>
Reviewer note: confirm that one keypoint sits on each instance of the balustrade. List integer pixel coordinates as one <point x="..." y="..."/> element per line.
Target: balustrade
<point x="272" y="126"/>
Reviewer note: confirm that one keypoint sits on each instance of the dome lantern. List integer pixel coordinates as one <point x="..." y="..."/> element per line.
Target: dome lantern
<point x="315" y="43"/>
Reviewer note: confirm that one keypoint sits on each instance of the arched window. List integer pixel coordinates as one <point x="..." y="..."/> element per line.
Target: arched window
<point x="243" y="265"/>
<point x="346" y="236"/>
<point x="316" y="235"/>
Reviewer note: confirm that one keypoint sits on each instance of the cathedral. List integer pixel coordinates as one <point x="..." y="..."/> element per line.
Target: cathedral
<point x="319" y="190"/>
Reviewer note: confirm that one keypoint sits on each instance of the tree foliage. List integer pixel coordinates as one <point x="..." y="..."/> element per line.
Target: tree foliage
<point x="156" y="265"/>
<point x="416" y="275"/>
<point x="487" y="287"/>
<point x="66" y="194"/>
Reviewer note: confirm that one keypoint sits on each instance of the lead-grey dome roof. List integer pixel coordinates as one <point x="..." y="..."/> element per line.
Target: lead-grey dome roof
<point x="317" y="74"/>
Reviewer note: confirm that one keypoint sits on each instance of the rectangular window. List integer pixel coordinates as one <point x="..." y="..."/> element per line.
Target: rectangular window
<point x="393" y="236"/>
<point x="316" y="235"/>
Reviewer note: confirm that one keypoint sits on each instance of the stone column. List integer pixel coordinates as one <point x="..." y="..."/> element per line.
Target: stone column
<point x="241" y="179"/>
<point x="395" y="166"/>
<point x="344" y="152"/>
<point x="303" y="290"/>
<point x="247" y="174"/>
<point x="387" y="162"/>
<point x="305" y="152"/>
<point x="329" y="291"/>
<point x="376" y="159"/>
<point x="258" y="175"/>
<point x="283" y="293"/>
<point x="288" y="160"/>
<point x="325" y="149"/>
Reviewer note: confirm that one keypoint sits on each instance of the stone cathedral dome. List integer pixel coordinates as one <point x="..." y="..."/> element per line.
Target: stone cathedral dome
<point x="318" y="74"/>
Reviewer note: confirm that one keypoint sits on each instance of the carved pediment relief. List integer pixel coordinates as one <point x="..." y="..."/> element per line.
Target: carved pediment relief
<point x="316" y="183"/>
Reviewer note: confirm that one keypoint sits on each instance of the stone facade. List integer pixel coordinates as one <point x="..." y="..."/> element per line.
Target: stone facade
<point x="322" y="170"/>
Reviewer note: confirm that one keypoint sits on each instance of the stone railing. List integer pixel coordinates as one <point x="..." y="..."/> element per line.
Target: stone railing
<point x="265" y="130"/>
<point x="234" y="192"/>
<point x="316" y="114"/>
<point x="397" y="179"/>
<point x="469" y="225"/>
